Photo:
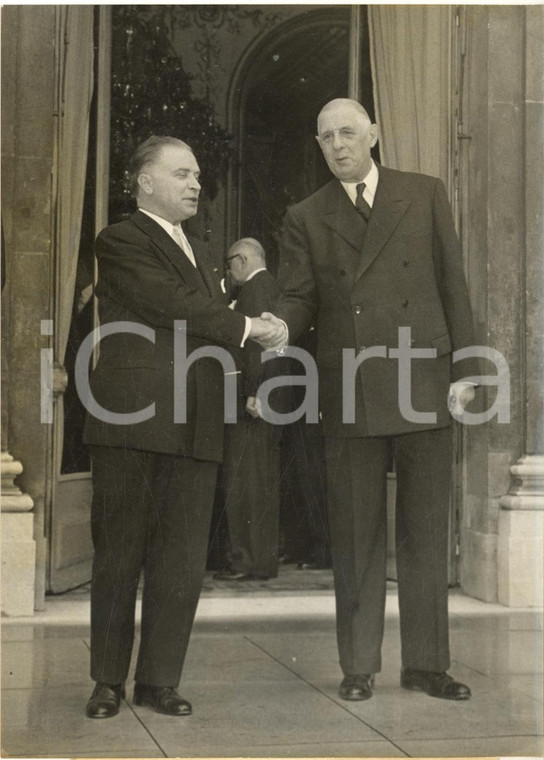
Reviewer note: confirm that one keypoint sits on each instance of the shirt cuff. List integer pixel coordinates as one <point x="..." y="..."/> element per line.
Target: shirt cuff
<point x="280" y="350"/>
<point x="246" y="331"/>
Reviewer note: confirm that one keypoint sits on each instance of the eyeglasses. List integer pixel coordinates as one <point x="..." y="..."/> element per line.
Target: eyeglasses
<point x="231" y="258"/>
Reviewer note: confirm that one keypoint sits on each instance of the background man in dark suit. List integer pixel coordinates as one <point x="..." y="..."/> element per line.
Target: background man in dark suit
<point x="154" y="480"/>
<point x="251" y="465"/>
<point x="373" y="251"/>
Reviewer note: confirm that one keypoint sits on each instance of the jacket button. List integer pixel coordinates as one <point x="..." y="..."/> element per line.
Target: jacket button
<point x="405" y="263"/>
<point x="357" y="309"/>
<point x="342" y="273"/>
<point x="405" y="303"/>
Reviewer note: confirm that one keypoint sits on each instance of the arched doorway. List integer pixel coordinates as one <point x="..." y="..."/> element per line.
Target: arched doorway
<point x="285" y="80"/>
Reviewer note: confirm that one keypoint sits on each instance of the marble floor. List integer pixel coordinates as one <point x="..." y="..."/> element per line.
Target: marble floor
<point x="262" y="673"/>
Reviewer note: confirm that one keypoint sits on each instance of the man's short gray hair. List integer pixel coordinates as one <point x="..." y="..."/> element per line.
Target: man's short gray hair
<point x="147" y="153"/>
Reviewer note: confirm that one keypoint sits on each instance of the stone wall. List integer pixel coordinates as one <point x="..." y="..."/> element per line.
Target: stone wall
<point x="28" y="104"/>
<point x="500" y="242"/>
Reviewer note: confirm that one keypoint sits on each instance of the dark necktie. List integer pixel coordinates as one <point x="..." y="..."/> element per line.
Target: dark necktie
<point x="360" y="204"/>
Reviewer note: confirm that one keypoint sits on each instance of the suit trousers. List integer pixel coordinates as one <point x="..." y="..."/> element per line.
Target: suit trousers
<point x="357" y="500"/>
<point x="250" y="481"/>
<point x="150" y="511"/>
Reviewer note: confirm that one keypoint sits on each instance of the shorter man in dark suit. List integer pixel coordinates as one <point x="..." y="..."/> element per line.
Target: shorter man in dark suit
<point x="154" y="476"/>
<point x="251" y="461"/>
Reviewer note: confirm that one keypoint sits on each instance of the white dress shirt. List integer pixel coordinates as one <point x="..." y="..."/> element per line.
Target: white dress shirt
<point x="176" y="233"/>
<point x="371" y="185"/>
<point x="188" y="251"/>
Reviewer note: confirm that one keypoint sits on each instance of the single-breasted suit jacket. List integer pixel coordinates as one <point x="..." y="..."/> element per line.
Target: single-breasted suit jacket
<point x="359" y="283"/>
<point x="260" y="294"/>
<point x="145" y="278"/>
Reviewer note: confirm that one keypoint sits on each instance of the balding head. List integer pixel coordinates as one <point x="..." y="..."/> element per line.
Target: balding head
<point x="244" y="257"/>
<point x="345" y="103"/>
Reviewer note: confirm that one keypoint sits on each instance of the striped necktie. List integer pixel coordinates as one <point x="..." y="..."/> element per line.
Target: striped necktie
<point x="360" y="204"/>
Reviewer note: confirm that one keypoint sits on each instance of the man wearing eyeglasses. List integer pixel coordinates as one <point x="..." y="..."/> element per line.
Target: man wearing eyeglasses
<point x="250" y="474"/>
<point x="366" y="258"/>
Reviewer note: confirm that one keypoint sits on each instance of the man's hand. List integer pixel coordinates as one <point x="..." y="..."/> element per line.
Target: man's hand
<point x="460" y="394"/>
<point x="253" y="407"/>
<point x="269" y="331"/>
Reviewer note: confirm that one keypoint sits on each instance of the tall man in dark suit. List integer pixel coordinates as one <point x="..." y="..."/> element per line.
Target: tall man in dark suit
<point x="251" y="465"/>
<point x="372" y="259"/>
<point x="153" y="475"/>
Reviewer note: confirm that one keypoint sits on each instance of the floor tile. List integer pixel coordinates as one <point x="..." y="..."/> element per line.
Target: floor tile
<point x="227" y="715"/>
<point x="502" y="746"/>
<point x="52" y="722"/>
<point x="122" y="752"/>
<point x="231" y="659"/>
<point x="499" y="650"/>
<point x="399" y="714"/>
<point x="532" y="685"/>
<point x="325" y="749"/>
<point x="315" y="657"/>
<point x="39" y="663"/>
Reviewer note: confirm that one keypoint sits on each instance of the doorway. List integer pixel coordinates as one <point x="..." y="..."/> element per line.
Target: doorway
<point x="282" y="85"/>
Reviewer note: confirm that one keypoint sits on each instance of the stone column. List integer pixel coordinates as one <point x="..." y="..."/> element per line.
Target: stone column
<point x="18" y="545"/>
<point x="521" y="520"/>
<point x="492" y="229"/>
<point x="28" y="113"/>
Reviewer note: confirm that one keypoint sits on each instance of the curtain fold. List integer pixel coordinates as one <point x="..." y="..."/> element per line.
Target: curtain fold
<point x="76" y="90"/>
<point x="410" y="58"/>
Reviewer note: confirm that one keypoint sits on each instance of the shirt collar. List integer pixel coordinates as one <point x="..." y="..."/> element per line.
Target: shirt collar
<point x="371" y="185"/>
<point x="252" y="275"/>
<point x="165" y="224"/>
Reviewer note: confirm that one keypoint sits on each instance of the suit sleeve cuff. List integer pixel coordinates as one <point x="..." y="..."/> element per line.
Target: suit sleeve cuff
<point x="246" y="331"/>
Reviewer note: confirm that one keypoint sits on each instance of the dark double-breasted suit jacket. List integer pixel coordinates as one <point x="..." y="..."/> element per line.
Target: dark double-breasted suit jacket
<point x="145" y="278"/>
<point x="359" y="283"/>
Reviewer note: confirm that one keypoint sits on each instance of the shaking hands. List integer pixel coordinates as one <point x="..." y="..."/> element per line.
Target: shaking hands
<point x="268" y="331"/>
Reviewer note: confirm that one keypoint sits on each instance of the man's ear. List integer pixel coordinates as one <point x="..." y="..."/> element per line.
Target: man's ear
<point x="146" y="183"/>
<point x="319" y="142"/>
<point x="374" y="133"/>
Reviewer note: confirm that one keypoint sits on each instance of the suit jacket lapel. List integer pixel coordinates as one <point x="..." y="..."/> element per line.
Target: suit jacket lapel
<point x="387" y="211"/>
<point x="339" y="215"/>
<point x="168" y="246"/>
<point x="205" y="271"/>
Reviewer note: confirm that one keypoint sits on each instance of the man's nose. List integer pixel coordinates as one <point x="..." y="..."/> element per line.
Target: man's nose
<point x="195" y="184"/>
<point x="337" y="141"/>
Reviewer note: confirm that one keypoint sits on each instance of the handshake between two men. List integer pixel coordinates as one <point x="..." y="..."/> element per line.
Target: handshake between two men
<point x="268" y="331"/>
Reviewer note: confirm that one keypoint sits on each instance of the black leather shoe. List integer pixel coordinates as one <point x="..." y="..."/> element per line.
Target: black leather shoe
<point x="105" y="700"/>
<point x="356" y="688"/>
<point x="234" y="575"/>
<point x="228" y="574"/>
<point x="439" y="685"/>
<point x="164" y="699"/>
